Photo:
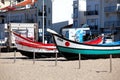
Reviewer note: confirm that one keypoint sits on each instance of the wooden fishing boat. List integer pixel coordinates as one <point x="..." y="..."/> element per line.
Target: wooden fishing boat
<point x="71" y="47"/>
<point x="68" y="56"/>
<point x="27" y="46"/>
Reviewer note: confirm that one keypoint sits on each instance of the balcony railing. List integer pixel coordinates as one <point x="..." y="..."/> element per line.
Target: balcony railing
<point x="41" y="14"/>
<point x="93" y="27"/>
<point x="112" y="9"/>
<point x="112" y="24"/>
<point x="87" y="13"/>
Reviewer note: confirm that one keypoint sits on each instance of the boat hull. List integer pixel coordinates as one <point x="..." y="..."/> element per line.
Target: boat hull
<point x="27" y="47"/>
<point x="71" y="55"/>
<point x="67" y="46"/>
<point x="88" y="51"/>
<point x="39" y="53"/>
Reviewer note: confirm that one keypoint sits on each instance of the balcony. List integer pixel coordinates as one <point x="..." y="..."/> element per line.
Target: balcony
<point x="89" y="13"/>
<point x="112" y="24"/>
<point x="112" y="9"/>
<point x="41" y="14"/>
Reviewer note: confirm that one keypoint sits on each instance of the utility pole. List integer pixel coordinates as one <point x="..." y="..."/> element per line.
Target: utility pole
<point x="43" y="25"/>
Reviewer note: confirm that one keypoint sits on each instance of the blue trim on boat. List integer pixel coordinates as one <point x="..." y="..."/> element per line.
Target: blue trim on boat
<point x="112" y="43"/>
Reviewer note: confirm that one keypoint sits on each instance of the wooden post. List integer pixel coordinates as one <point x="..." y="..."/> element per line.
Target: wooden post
<point x="56" y="59"/>
<point x="0" y="44"/>
<point x="34" y="57"/>
<point x="0" y="50"/>
<point x="9" y="37"/>
<point x="79" y="60"/>
<point x="110" y="63"/>
<point x="14" y="56"/>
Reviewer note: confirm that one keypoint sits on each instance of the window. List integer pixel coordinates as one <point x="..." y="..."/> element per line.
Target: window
<point x="49" y="22"/>
<point x="19" y="0"/>
<point x="92" y="22"/>
<point x="88" y="8"/>
<point x="75" y="24"/>
<point x="2" y="1"/>
<point x="49" y="11"/>
<point x="75" y="12"/>
<point x="39" y="24"/>
<point x="96" y="7"/>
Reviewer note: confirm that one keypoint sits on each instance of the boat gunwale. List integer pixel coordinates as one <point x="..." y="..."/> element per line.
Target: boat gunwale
<point x="83" y="43"/>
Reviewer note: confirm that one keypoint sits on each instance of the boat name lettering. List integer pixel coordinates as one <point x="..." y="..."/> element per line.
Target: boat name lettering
<point x="60" y="39"/>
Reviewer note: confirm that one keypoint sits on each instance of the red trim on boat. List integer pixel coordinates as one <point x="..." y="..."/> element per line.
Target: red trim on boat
<point x="24" y="3"/>
<point x="33" y="44"/>
<point x="97" y="40"/>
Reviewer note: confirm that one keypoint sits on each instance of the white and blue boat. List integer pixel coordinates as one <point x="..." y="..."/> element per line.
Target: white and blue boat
<point x="67" y="46"/>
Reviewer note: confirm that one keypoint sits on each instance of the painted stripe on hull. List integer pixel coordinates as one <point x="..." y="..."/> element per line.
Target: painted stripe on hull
<point x="88" y="51"/>
<point x="37" y="50"/>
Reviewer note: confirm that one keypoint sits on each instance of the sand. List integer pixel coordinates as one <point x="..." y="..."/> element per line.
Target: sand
<point x="45" y="69"/>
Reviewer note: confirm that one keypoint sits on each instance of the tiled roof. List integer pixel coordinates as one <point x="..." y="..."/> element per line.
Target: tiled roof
<point x="8" y="8"/>
<point x="23" y="3"/>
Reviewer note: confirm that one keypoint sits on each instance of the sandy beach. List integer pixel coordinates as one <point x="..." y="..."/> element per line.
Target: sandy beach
<point x="45" y="69"/>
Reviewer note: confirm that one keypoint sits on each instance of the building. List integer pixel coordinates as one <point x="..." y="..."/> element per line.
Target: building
<point x="47" y="15"/>
<point x="18" y="14"/>
<point x="103" y="16"/>
<point x="79" y="7"/>
<point x="27" y="11"/>
<point x="93" y="15"/>
<point x="112" y="17"/>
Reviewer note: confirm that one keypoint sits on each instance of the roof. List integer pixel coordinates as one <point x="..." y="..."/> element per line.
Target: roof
<point x="23" y="3"/>
<point x="8" y="8"/>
